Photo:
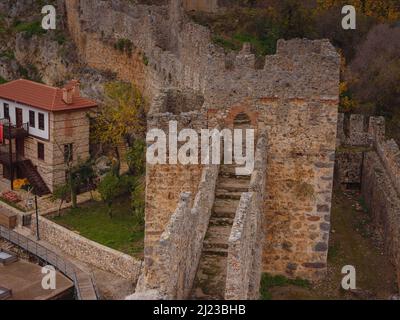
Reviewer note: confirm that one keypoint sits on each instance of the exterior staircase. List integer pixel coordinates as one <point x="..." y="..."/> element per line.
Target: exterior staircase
<point x="211" y="275"/>
<point x="29" y="171"/>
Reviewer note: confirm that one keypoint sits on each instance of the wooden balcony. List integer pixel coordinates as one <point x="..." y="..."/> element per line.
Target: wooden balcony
<point x="5" y="158"/>
<point x="11" y="131"/>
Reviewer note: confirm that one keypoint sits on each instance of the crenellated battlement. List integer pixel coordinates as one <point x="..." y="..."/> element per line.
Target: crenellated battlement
<point x="359" y="130"/>
<point x="170" y="50"/>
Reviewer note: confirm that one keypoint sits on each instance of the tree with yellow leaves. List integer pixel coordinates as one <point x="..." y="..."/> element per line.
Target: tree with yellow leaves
<point x="121" y="117"/>
<point x="382" y="10"/>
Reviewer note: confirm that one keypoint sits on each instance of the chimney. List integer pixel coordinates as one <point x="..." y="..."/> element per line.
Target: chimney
<point x="75" y="87"/>
<point x="70" y="91"/>
<point x="67" y="95"/>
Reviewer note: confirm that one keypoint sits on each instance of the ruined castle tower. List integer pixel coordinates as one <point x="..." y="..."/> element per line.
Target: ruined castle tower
<point x="293" y="97"/>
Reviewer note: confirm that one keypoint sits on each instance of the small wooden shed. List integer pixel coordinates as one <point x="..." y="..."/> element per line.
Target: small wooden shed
<point x="8" y="218"/>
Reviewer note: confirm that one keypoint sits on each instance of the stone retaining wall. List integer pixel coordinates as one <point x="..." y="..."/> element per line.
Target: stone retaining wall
<point x="88" y="251"/>
<point x="383" y="201"/>
<point x="389" y="153"/>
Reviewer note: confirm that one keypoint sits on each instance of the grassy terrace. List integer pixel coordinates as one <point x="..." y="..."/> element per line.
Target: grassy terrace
<point x="123" y="232"/>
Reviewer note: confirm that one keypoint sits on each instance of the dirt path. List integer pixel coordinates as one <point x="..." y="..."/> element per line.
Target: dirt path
<point x="353" y="241"/>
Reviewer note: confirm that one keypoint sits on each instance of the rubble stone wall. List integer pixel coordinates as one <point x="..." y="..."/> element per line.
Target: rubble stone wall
<point x="246" y="241"/>
<point x="176" y="255"/>
<point x="383" y="202"/>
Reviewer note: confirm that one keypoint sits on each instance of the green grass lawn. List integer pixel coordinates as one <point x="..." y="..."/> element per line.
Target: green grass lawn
<point x="122" y="232"/>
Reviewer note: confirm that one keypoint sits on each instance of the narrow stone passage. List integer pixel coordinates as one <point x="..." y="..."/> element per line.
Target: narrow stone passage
<point x="211" y="275"/>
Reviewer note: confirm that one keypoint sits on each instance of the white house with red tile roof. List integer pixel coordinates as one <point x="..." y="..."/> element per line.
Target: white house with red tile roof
<point x="40" y="125"/>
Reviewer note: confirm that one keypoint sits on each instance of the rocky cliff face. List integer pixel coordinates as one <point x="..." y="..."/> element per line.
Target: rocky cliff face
<point x="51" y="57"/>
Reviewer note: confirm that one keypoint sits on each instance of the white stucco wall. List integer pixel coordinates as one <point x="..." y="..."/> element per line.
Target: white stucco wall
<point x="36" y="132"/>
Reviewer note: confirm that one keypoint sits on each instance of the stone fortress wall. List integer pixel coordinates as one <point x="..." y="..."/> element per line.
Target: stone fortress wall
<point x="202" y="5"/>
<point x="294" y="96"/>
<point x="175" y="256"/>
<point x="366" y="160"/>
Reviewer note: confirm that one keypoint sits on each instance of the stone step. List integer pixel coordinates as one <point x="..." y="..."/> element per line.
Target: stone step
<point x="229" y="171"/>
<point x="224" y="208"/>
<point x="210" y="278"/>
<point x="233" y="184"/>
<point x="224" y="194"/>
<point x="220" y="249"/>
<point x="221" y="222"/>
<point x="218" y="235"/>
<point x="223" y="247"/>
<point x="216" y="252"/>
<point x="221" y="213"/>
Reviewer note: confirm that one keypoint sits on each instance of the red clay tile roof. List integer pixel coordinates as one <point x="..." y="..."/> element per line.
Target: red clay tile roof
<point x="41" y="96"/>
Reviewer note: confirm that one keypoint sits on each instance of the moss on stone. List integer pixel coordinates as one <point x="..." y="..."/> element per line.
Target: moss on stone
<point x="269" y="281"/>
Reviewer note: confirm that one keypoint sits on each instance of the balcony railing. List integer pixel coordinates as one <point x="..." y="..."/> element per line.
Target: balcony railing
<point x="5" y="157"/>
<point x="11" y="130"/>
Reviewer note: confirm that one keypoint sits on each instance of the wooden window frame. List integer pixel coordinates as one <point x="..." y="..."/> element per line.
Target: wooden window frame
<point x="6" y="107"/>
<point x="41" y="124"/>
<point x="32" y="119"/>
<point x="40" y="151"/>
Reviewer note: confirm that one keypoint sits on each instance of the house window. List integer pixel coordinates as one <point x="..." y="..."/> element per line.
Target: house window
<point x="31" y="118"/>
<point x="68" y="152"/>
<point x="41" y="121"/>
<point x="40" y="151"/>
<point x="6" y="111"/>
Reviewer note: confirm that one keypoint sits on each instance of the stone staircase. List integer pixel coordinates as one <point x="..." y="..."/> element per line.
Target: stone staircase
<point x="211" y="275"/>
<point x="34" y="178"/>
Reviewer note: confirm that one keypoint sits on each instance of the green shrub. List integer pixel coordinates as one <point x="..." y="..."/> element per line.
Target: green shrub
<point x="29" y="28"/>
<point x="60" y="37"/>
<point x="138" y="201"/>
<point x="109" y="189"/>
<point x="145" y="60"/>
<point x="225" y="43"/>
<point x="61" y="193"/>
<point x="136" y="158"/>
<point x="124" y="45"/>
<point x="7" y="54"/>
<point x="30" y="72"/>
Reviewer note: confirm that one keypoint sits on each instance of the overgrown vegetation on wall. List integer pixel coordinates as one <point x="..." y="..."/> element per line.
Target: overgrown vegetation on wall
<point x="121" y="121"/>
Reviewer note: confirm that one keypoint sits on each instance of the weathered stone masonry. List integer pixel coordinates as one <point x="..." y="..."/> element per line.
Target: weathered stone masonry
<point x="294" y="95"/>
<point x="366" y="160"/>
